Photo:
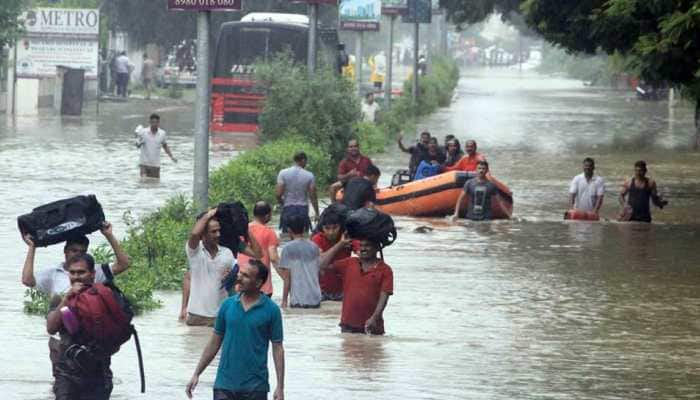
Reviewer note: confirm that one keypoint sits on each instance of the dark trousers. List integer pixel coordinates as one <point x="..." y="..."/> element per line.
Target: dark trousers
<point x="67" y="387"/>
<point x="223" y="394"/>
<point x="289" y="211"/>
<point x="122" y="83"/>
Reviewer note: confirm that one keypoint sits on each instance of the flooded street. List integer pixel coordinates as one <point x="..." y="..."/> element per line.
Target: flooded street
<point x="531" y="308"/>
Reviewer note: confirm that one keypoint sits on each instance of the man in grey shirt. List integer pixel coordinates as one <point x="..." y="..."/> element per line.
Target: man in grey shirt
<point x="301" y="263"/>
<point x="295" y="186"/>
<point x="479" y="190"/>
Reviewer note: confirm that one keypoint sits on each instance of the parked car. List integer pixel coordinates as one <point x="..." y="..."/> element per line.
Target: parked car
<point x="171" y="72"/>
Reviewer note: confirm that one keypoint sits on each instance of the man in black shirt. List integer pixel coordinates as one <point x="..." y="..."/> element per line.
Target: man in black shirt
<point x="358" y="192"/>
<point x="419" y="151"/>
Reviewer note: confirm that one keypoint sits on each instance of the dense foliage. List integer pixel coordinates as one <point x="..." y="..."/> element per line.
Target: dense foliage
<point x="10" y="24"/>
<point x="322" y="107"/>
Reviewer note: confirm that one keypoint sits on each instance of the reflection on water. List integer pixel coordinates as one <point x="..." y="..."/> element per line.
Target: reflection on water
<point x="533" y="308"/>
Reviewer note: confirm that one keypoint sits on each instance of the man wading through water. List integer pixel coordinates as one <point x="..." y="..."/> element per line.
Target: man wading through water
<point x="295" y="187"/>
<point x="81" y="375"/>
<point x="480" y="190"/>
<point x="55" y="281"/>
<point x="210" y="263"/>
<point x="367" y="284"/>
<point x="150" y="140"/>
<point x="245" y="325"/>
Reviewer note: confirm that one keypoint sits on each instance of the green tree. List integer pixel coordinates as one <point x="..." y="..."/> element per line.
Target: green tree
<point x="10" y="23"/>
<point x="659" y="39"/>
<point x="463" y="12"/>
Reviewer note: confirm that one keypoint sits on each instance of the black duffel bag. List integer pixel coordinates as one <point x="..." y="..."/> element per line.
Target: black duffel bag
<point x="233" y="218"/>
<point x="55" y="222"/>
<point x="370" y="224"/>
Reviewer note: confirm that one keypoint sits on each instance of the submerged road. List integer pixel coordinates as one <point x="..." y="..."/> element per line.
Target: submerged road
<point x="531" y="308"/>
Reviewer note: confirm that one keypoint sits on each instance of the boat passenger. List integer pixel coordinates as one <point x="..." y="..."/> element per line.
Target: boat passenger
<point x="354" y="164"/>
<point x="419" y="151"/>
<point x="480" y="190"/>
<point x="432" y="163"/>
<point x="636" y="193"/>
<point x="469" y="162"/>
<point x="453" y="152"/>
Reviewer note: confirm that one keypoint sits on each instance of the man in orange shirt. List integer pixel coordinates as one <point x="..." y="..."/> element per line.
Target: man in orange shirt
<point x="469" y="162"/>
<point x="267" y="238"/>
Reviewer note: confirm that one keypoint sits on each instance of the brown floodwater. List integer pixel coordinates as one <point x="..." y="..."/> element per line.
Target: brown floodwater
<point x="530" y="308"/>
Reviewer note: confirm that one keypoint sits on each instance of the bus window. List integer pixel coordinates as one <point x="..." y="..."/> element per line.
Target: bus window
<point x="238" y="49"/>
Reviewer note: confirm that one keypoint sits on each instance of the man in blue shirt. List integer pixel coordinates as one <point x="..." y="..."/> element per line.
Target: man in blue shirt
<point x="246" y="324"/>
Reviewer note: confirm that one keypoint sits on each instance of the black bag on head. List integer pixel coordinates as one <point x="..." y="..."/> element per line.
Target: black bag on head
<point x="55" y="222"/>
<point x="233" y="218"/>
<point x="370" y="224"/>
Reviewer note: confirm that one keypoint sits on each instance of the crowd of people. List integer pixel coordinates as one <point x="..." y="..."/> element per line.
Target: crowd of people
<point x="229" y="287"/>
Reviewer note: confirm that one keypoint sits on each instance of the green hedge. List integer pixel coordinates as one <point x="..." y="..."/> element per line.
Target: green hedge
<point x="317" y="116"/>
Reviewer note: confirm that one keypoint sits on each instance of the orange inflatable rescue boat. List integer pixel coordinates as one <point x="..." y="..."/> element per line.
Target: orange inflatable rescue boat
<point x="436" y="196"/>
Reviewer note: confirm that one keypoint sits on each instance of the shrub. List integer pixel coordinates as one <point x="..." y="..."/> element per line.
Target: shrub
<point x="253" y="175"/>
<point x="322" y="108"/>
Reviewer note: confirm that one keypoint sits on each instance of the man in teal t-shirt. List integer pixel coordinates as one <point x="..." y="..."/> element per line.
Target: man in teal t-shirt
<point x="245" y="325"/>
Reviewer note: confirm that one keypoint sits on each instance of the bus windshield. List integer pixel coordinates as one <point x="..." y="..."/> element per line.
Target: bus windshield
<point x="241" y="47"/>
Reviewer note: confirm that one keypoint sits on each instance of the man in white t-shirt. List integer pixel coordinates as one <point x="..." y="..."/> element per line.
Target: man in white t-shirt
<point x="587" y="190"/>
<point x="55" y="281"/>
<point x="202" y="288"/>
<point x="150" y="140"/>
<point x="369" y="108"/>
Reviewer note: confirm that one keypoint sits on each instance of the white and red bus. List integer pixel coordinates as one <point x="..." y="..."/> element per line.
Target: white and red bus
<point x="236" y="101"/>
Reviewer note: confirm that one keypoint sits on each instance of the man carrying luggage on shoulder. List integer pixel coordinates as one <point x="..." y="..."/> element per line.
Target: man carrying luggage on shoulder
<point x="55" y="281"/>
<point x="80" y="371"/>
<point x="367" y="284"/>
<point x="209" y="265"/>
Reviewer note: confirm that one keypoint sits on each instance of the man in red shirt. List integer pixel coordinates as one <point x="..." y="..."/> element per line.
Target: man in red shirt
<point x="469" y="162"/>
<point x="330" y="234"/>
<point x="354" y="164"/>
<point x="367" y="284"/>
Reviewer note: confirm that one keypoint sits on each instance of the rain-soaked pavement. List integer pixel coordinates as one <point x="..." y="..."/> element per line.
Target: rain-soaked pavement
<point x="531" y="308"/>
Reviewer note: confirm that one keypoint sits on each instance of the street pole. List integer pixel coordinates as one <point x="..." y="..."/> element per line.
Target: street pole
<point x="520" y="51"/>
<point x="358" y="59"/>
<point x="414" y="85"/>
<point x="313" y="33"/>
<point x="443" y="33"/>
<point x="390" y="64"/>
<point x="201" y="118"/>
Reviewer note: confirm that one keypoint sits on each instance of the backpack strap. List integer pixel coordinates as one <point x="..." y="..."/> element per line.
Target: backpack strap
<point x="109" y="276"/>
<point x="140" y="357"/>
